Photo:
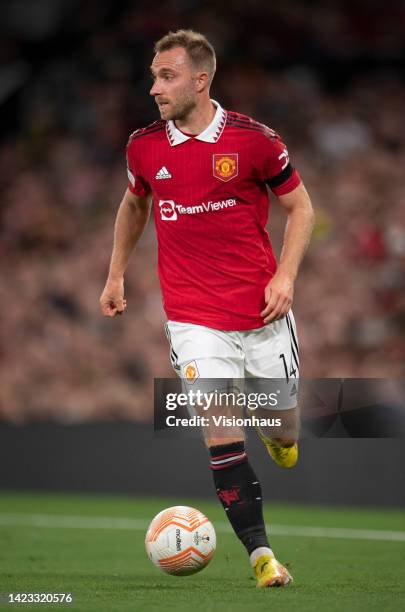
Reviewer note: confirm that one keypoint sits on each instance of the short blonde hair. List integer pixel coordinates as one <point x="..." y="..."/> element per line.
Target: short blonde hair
<point x="199" y="50"/>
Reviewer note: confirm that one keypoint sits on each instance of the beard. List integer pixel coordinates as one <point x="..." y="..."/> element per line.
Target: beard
<point x="178" y="109"/>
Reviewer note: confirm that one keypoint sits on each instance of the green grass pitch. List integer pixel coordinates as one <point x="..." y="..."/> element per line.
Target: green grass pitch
<point x="106" y="568"/>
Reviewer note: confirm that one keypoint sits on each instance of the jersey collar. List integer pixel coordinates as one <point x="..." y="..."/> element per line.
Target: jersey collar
<point x="211" y="133"/>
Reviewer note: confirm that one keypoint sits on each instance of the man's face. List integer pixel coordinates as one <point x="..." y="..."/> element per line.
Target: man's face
<point x="174" y="84"/>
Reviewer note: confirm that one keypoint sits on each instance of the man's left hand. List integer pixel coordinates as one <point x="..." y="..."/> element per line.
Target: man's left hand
<point x="278" y="296"/>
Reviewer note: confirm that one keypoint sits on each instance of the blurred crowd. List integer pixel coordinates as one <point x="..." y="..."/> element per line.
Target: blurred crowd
<point x="74" y="85"/>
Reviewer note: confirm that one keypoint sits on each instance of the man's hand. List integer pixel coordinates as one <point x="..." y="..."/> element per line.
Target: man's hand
<point x="279" y="293"/>
<point x="132" y="216"/>
<point x="112" y="299"/>
<point x="278" y="296"/>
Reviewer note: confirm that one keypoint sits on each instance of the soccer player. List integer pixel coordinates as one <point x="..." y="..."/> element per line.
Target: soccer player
<point x="206" y="173"/>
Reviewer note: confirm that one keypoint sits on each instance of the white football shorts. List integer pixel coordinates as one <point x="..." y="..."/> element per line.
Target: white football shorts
<point x="270" y="352"/>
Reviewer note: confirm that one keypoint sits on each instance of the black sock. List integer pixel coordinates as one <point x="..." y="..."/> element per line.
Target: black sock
<point x="240" y="493"/>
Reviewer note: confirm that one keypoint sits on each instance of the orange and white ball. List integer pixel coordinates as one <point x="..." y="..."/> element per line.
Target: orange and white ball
<point x="180" y="540"/>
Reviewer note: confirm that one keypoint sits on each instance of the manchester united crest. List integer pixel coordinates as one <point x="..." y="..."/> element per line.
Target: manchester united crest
<point x="225" y="167"/>
<point x="191" y="372"/>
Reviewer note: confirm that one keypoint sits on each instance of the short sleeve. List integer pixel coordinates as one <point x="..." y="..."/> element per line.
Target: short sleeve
<point x="137" y="184"/>
<point x="278" y="173"/>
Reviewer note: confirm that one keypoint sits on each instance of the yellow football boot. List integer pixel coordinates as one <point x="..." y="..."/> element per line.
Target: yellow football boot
<point x="270" y="573"/>
<point x="284" y="456"/>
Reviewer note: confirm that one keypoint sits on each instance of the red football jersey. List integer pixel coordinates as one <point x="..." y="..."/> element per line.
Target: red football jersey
<point x="211" y="204"/>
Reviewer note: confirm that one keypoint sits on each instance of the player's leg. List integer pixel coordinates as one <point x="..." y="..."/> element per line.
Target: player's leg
<point x="239" y="491"/>
<point x="272" y="354"/>
<point x="215" y="355"/>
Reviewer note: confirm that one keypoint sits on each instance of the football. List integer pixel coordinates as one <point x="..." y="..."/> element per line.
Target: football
<point x="180" y="541"/>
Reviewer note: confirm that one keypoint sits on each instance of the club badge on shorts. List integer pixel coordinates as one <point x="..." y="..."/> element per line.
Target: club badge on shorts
<point x="191" y="372"/>
<point x="225" y="166"/>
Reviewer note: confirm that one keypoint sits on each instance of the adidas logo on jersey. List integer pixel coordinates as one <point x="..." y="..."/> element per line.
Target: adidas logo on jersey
<point x="163" y="173"/>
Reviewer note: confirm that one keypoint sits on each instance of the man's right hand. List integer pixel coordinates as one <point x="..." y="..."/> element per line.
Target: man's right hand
<point x="112" y="301"/>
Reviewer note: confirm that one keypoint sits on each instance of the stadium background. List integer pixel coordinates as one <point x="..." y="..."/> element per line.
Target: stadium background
<point x="328" y="76"/>
<point x="76" y="389"/>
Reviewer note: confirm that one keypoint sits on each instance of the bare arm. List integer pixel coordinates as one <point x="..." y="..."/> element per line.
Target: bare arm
<point x="132" y="216"/>
<point x="279" y="292"/>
